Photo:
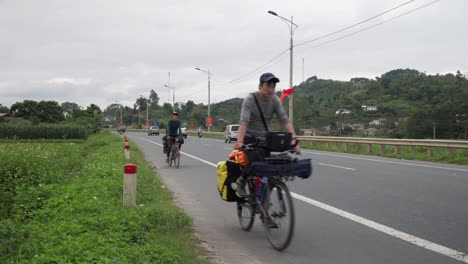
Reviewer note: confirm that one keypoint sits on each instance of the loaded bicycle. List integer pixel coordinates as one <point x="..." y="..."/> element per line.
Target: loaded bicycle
<point x="174" y="154"/>
<point x="268" y="195"/>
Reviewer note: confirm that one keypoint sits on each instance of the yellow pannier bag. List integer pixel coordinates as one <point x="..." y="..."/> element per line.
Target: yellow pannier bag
<point x="228" y="172"/>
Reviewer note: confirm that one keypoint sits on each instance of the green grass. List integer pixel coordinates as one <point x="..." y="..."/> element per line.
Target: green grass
<point x="420" y="153"/>
<point x="62" y="203"/>
<point x="43" y="131"/>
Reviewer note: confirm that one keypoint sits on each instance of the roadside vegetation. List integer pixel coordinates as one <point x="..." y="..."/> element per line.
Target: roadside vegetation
<point x="460" y="156"/>
<point x="61" y="202"/>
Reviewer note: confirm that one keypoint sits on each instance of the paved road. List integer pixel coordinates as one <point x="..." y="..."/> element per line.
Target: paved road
<point x="354" y="209"/>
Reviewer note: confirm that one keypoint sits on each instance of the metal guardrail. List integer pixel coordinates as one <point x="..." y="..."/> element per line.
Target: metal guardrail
<point x="397" y="143"/>
<point x="391" y="141"/>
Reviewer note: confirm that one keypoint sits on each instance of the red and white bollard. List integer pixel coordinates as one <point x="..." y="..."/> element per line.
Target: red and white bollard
<point x="126" y="140"/>
<point x="129" y="184"/>
<point x="127" y="152"/>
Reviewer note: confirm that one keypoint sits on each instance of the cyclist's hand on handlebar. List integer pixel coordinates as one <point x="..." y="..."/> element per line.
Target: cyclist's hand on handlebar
<point x="238" y="146"/>
<point x="298" y="149"/>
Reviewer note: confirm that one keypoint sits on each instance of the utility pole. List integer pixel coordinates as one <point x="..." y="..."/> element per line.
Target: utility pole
<point x="291" y="26"/>
<point x="302" y="69"/>
<point x="168" y="84"/>
<point x="209" y="91"/>
<point x="291" y="97"/>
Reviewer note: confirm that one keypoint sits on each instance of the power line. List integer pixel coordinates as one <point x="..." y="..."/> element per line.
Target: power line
<point x="359" y="23"/>
<point x="247" y="75"/>
<point x="373" y="26"/>
<point x="272" y="61"/>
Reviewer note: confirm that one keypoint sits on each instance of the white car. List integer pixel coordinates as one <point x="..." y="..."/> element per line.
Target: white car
<point x="230" y="134"/>
<point x="184" y="132"/>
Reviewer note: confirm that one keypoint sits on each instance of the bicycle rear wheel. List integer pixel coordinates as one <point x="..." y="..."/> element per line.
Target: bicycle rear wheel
<point x="280" y="208"/>
<point x="246" y="215"/>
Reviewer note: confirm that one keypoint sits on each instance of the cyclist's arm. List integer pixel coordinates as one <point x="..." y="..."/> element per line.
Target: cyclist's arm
<point x="180" y="128"/>
<point x="281" y="114"/>
<point x="244" y="121"/>
<point x="168" y="128"/>
<point x="287" y="124"/>
<point x="240" y="136"/>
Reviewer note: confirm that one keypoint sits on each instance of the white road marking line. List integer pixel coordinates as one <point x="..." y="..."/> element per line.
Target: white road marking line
<point x="346" y="168"/>
<point x="387" y="161"/>
<point x="369" y="223"/>
<point x="387" y="230"/>
<point x="193" y="157"/>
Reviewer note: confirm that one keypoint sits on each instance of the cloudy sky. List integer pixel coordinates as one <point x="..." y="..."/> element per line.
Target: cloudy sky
<point x="104" y="51"/>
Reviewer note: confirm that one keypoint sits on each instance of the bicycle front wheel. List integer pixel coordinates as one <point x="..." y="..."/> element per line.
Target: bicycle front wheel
<point x="171" y="157"/>
<point x="280" y="208"/>
<point x="177" y="158"/>
<point x="246" y="215"/>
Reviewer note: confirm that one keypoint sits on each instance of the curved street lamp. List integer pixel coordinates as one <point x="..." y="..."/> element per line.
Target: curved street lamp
<point x="209" y="76"/>
<point x="173" y="96"/>
<point x="291" y="26"/>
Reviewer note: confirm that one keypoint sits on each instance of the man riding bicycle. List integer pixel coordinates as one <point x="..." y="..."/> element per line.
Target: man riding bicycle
<point x="251" y="124"/>
<point x="173" y="130"/>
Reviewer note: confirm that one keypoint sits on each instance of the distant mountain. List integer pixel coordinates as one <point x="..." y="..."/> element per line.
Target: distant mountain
<point x="405" y="97"/>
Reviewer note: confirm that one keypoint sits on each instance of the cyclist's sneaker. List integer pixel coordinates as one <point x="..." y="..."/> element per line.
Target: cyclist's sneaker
<point x="270" y="223"/>
<point x="240" y="192"/>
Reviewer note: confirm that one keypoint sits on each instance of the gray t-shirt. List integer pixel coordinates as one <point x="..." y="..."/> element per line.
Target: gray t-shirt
<point x="250" y="116"/>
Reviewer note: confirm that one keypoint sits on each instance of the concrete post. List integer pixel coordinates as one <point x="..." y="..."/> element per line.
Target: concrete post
<point x="451" y="153"/>
<point x="430" y="151"/>
<point x="397" y="149"/>
<point x="127" y="152"/>
<point x="129" y="185"/>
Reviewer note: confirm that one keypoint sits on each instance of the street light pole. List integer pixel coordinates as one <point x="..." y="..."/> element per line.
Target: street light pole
<point x="121" y="108"/>
<point x="209" y="91"/>
<point x="173" y="96"/>
<point x="291" y="26"/>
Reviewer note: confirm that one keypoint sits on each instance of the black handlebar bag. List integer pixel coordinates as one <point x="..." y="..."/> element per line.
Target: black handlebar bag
<point x="278" y="141"/>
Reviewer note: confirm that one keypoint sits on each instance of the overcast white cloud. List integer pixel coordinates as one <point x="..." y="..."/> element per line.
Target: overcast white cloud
<point x="106" y="51"/>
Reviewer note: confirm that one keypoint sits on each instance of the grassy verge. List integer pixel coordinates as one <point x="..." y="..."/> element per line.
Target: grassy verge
<point x="62" y="203"/>
<point x="460" y="156"/>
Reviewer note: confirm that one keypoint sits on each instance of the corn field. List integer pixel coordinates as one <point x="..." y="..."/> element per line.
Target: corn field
<point x="43" y="131"/>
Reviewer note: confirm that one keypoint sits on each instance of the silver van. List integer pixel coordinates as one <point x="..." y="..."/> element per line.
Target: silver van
<point x="230" y="134"/>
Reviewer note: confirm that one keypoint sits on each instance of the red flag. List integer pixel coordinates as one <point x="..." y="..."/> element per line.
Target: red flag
<point x="286" y="93"/>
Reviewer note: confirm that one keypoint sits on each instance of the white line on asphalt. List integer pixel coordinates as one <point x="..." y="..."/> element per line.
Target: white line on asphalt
<point x="387" y="161"/>
<point x="329" y="165"/>
<point x="193" y="157"/>
<point x="387" y="230"/>
<point x="369" y="223"/>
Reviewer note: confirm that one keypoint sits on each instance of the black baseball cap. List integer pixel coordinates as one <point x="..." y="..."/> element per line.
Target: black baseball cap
<point x="268" y="77"/>
<point x="175" y="113"/>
